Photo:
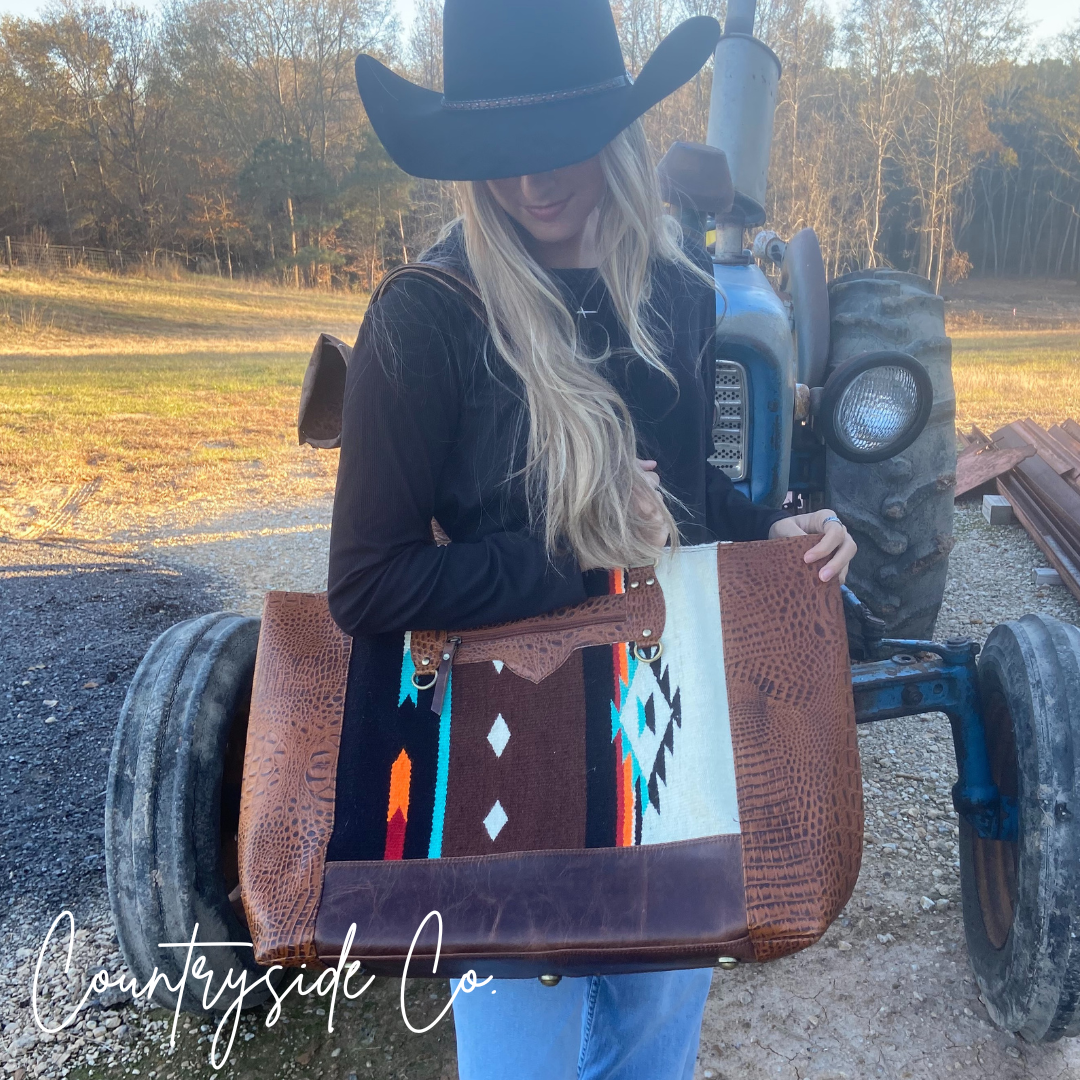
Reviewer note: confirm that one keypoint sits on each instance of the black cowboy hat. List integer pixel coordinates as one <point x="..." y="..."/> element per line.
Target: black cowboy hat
<point x="530" y="86"/>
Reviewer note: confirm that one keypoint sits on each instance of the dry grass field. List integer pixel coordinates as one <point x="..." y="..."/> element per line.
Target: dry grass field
<point x="140" y="404"/>
<point x="1003" y="376"/>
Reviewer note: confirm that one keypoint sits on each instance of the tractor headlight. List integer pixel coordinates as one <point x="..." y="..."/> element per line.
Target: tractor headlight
<point x="874" y="406"/>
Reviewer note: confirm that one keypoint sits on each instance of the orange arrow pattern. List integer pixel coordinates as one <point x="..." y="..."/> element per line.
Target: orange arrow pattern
<point x="397" y="813"/>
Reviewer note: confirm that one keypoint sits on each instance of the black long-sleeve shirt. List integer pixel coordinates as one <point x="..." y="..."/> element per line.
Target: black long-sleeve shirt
<point x="434" y="426"/>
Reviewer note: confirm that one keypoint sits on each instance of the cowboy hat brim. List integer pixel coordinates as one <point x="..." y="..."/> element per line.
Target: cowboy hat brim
<point x="427" y="139"/>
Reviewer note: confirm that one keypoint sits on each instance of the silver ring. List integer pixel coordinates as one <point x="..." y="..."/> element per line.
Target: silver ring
<point x="836" y="519"/>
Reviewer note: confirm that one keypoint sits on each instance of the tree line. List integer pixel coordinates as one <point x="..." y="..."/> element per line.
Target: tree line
<point x="920" y="134"/>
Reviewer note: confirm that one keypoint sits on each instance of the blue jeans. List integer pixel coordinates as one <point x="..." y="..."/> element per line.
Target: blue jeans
<point x="612" y="1027"/>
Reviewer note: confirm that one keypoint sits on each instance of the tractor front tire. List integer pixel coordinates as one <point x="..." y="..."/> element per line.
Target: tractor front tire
<point x="900" y="511"/>
<point x="172" y="807"/>
<point x="1021" y="900"/>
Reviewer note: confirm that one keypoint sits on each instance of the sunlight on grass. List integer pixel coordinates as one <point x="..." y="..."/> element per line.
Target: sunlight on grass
<point x="155" y="398"/>
<point x="103" y="314"/>
<point x="1004" y="377"/>
<point x="140" y="405"/>
<point x="156" y="434"/>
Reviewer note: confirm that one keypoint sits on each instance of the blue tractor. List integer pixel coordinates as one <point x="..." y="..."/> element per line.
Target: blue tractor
<point x="830" y="393"/>
<point x="840" y="394"/>
<point x="827" y="393"/>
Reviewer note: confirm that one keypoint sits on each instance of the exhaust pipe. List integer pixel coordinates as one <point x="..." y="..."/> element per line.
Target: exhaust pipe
<point x="740" y="17"/>
<point x="745" y="81"/>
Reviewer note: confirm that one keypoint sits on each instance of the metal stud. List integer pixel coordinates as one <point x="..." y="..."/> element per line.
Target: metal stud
<point x="634" y="584"/>
<point x="550" y="980"/>
<point x="446" y="656"/>
<point x="727" y="962"/>
<point x="650" y="581"/>
<point x="646" y="633"/>
<point x="426" y="660"/>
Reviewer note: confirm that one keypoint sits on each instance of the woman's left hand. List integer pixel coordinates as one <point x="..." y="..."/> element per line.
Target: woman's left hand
<point x="835" y="541"/>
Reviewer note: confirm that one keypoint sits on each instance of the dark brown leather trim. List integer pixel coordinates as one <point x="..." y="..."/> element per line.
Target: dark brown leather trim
<point x="565" y="963"/>
<point x="441" y="275"/>
<point x="534" y="648"/>
<point x="322" y="393"/>
<point x="538" y="912"/>
<point x="290" y="767"/>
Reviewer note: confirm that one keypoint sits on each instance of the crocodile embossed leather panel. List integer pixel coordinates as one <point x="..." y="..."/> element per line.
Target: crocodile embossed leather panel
<point x="532" y="913"/>
<point x="793" y="735"/>
<point x="287" y="803"/>
<point x="534" y="648"/>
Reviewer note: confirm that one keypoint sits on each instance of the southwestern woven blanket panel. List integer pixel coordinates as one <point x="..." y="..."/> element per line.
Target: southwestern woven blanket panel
<point x="732" y="751"/>
<point x="596" y="755"/>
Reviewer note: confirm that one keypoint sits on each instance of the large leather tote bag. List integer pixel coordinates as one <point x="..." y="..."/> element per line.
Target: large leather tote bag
<point x="657" y="778"/>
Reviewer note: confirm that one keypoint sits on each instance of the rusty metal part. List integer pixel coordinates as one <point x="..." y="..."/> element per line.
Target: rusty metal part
<point x="977" y="465"/>
<point x="802" y="401"/>
<point x="996" y="862"/>
<point x="1044" y="490"/>
<point x="1058" y="550"/>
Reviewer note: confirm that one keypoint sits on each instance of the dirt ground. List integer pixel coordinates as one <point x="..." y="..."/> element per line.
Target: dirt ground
<point x="1012" y="304"/>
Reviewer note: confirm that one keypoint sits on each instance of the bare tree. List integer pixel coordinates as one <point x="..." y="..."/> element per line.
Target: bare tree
<point x="879" y="39"/>
<point x="913" y="137"/>
<point x="425" y="52"/>
<point x="961" y="41"/>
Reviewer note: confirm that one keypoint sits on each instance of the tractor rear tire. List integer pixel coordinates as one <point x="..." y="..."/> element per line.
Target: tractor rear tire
<point x="900" y="511"/>
<point x="172" y="806"/>
<point x="1021" y="900"/>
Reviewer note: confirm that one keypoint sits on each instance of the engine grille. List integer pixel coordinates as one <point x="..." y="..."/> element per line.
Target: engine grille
<point x="729" y="420"/>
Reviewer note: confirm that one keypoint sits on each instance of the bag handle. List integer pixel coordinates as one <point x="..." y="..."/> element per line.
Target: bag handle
<point x="535" y="648"/>
<point x="456" y="282"/>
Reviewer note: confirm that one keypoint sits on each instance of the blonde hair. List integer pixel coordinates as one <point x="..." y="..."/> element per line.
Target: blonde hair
<point x="581" y="472"/>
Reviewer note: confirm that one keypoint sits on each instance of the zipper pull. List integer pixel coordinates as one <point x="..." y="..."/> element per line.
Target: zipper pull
<point x="446" y="660"/>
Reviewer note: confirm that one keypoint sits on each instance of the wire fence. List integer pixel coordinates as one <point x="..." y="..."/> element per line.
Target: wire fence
<point x="46" y="256"/>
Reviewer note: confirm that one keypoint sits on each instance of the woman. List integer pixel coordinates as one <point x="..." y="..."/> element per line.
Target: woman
<point x="555" y="428"/>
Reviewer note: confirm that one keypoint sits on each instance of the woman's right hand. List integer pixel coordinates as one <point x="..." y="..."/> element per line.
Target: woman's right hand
<point x="649" y="504"/>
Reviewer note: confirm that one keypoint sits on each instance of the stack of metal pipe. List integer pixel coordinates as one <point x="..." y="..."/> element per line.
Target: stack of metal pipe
<point x="1038" y="471"/>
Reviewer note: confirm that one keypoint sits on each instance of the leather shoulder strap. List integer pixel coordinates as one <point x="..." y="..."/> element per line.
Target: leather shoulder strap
<point x="456" y="282"/>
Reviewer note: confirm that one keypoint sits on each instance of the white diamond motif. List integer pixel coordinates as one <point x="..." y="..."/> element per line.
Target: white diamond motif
<point x="499" y="735"/>
<point x="495" y="820"/>
<point x="498" y="666"/>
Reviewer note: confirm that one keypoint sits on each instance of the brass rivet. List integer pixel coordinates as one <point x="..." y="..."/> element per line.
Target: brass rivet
<point x="550" y="980"/>
<point x="727" y="962"/>
<point x="646" y="633"/>
<point x="650" y="581"/>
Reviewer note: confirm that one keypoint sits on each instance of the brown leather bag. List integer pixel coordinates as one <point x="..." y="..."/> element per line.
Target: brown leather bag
<point x="658" y="778"/>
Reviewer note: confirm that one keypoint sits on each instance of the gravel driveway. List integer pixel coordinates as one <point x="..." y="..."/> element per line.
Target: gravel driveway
<point x="888" y="993"/>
